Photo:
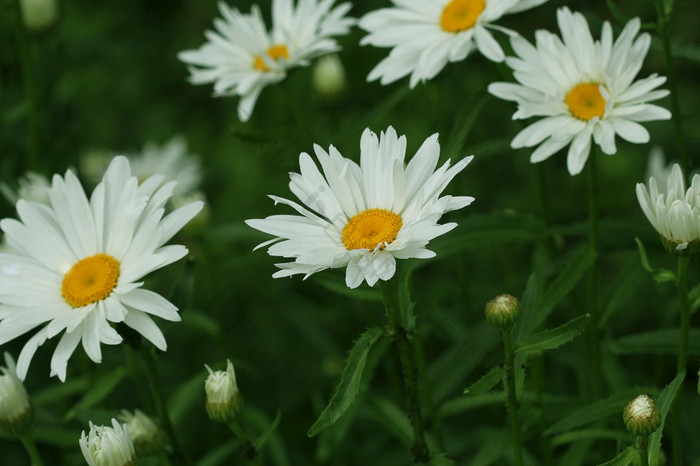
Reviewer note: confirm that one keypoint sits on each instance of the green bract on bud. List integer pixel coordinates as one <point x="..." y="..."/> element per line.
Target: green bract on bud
<point x="147" y="437"/>
<point x="223" y="398"/>
<point x="15" y="409"/>
<point x="642" y="415"/>
<point x="108" y="446"/>
<point x="503" y="310"/>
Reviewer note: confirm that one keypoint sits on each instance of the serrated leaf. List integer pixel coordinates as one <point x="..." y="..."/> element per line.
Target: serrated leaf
<point x="664" y="402"/>
<point x="571" y="273"/>
<point x="486" y="382"/>
<point x="98" y="391"/>
<point x="260" y="442"/>
<point x="624" y="458"/>
<point x="596" y="411"/>
<point x="665" y="341"/>
<point x="550" y="339"/>
<point x="659" y="275"/>
<point x="349" y="384"/>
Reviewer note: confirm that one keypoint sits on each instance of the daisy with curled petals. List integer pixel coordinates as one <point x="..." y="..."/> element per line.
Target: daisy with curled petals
<point x="77" y="264"/>
<point x="672" y="211"/>
<point x="582" y="88"/>
<point x="242" y="57"/>
<point x="363" y="217"/>
<point x="426" y="34"/>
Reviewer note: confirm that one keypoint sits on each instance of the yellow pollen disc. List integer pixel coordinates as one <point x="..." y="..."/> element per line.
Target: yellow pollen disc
<point x="585" y="101"/>
<point x="370" y="228"/>
<point x="275" y="52"/>
<point x="460" y="15"/>
<point x="91" y="279"/>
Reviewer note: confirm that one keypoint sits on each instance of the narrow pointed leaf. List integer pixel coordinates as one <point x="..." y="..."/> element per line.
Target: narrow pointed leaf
<point x="348" y="387"/>
<point x="550" y="339"/>
<point x="659" y="275"/>
<point x="486" y="382"/>
<point x="664" y="341"/>
<point x="624" y="458"/>
<point x="664" y="403"/>
<point x="260" y="442"/>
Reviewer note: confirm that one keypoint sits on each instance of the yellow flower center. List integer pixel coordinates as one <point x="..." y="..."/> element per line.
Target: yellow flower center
<point x="460" y="15"/>
<point x="585" y="101"/>
<point x="91" y="279"/>
<point x="370" y="228"/>
<point x="275" y="52"/>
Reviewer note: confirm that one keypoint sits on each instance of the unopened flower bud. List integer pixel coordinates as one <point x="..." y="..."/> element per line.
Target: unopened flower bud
<point x="223" y="398"/>
<point x="16" y="412"/>
<point x="642" y="415"/>
<point x="329" y="76"/>
<point x="147" y="437"/>
<point x="108" y="446"/>
<point x="503" y="310"/>
<point x="38" y="14"/>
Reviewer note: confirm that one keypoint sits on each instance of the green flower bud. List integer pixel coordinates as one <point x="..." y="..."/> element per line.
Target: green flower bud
<point x="16" y="414"/>
<point x="223" y="398"/>
<point x="642" y="415"/>
<point x="503" y="310"/>
<point x="147" y="437"/>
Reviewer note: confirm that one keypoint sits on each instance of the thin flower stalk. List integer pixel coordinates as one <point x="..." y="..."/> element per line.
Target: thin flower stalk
<point x="511" y="400"/>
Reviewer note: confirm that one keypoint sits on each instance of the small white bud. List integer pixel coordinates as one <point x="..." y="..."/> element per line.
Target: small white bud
<point x="108" y="446"/>
<point x="147" y="437"/>
<point x="38" y="14"/>
<point x="223" y="398"/>
<point x="329" y="75"/>
<point x="642" y="415"/>
<point x="15" y="409"/>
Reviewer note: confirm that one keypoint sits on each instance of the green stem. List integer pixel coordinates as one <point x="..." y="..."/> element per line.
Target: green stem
<point x="29" y="92"/>
<point x="538" y="378"/>
<point x="644" y="450"/>
<point x="30" y="446"/>
<point x="511" y="395"/>
<point x="399" y="334"/>
<point x="664" y="17"/>
<point x="594" y="337"/>
<point x="248" y="449"/>
<point x="161" y="408"/>
<point x="682" y="283"/>
<point x="544" y="194"/>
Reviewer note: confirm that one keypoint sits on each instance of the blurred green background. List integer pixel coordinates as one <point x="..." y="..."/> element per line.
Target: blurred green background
<point x="107" y="78"/>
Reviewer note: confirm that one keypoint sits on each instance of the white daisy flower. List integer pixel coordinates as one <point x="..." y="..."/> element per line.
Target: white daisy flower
<point x="78" y="264"/>
<point x="108" y="446"/>
<point x="674" y="214"/>
<point x="426" y="34"/>
<point x="171" y="159"/>
<point x="363" y="217"/>
<point x="242" y="57"/>
<point x="583" y="88"/>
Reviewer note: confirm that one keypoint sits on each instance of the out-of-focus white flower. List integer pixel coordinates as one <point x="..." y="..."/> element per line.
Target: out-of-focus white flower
<point x="427" y="34"/>
<point x="108" y="446"/>
<point x="363" y="217"/>
<point x="147" y="437"/>
<point x="78" y="264"/>
<point x="675" y="213"/>
<point x="32" y="187"/>
<point x="38" y="14"/>
<point x="329" y="75"/>
<point x="223" y="397"/>
<point x="583" y="89"/>
<point x="15" y="408"/>
<point x="242" y="58"/>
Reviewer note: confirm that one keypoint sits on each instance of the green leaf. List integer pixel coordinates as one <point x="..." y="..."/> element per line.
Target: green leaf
<point x="591" y="434"/>
<point x="663" y="341"/>
<point x="664" y="403"/>
<point x="56" y="392"/>
<point x="528" y="308"/>
<point x="694" y="298"/>
<point x="486" y="382"/>
<point x="570" y="274"/>
<point x="349" y="384"/>
<point x="391" y="416"/>
<point x="260" y="442"/>
<point x="550" y="339"/>
<point x="596" y="411"/>
<point x="659" y="275"/>
<point x="439" y="459"/>
<point x="98" y="391"/>
<point x="463" y="125"/>
<point x="624" y="291"/>
<point x="623" y="459"/>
